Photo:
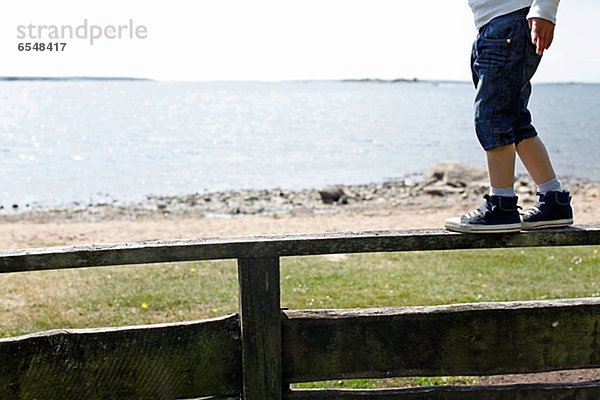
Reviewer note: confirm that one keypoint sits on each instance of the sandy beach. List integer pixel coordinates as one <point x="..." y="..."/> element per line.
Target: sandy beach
<point x="447" y="189"/>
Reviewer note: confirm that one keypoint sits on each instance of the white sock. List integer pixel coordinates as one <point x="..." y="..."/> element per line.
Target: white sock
<point x="550" y="186"/>
<point x="503" y="192"/>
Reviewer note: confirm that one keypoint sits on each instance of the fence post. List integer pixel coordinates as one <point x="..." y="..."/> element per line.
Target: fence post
<point x="260" y="320"/>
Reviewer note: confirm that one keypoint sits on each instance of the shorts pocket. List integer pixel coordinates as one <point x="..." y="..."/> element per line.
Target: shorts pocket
<point x="492" y="53"/>
<point x="499" y="30"/>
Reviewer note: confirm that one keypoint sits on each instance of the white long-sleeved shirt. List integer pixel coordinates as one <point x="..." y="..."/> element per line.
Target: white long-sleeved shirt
<point x="486" y="10"/>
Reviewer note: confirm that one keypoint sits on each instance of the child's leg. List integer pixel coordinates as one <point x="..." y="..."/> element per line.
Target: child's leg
<point x="530" y="147"/>
<point x="501" y="166"/>
<point x="535" y="158"/>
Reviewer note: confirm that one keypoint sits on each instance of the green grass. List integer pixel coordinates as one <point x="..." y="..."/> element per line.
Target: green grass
<point x="172" y="292"/>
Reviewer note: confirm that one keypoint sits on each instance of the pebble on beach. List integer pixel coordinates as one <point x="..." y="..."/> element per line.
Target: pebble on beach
<point x="333" y="195"/>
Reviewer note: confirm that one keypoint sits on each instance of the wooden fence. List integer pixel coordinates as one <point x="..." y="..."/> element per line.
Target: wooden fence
<point x="258" y="352"/>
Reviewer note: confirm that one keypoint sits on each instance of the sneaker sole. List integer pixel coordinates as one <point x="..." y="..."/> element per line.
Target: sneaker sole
<point x="454" y="224"/>
<point x="557" y="223"/>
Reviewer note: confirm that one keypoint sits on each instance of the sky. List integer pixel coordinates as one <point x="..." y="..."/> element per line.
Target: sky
<point x="203" y="40"/>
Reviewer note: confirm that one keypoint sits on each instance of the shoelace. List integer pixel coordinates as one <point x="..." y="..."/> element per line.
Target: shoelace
<point x="538" y="206"/>
<point x="478" y="212"/>
<point x="485" y="210"/>
<point x="534" y="210"/>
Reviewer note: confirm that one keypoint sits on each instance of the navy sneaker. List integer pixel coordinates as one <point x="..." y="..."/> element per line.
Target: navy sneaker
<point x="553" y="210"/>
<point x="497" y="215"/>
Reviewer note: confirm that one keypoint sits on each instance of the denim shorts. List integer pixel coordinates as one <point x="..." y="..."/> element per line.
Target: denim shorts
<point x="503" y="61"/>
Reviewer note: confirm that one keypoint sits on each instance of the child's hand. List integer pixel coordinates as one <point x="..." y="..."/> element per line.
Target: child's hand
<point x="542" y="34"/>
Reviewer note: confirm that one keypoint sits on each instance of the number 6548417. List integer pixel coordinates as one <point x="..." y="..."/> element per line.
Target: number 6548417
<point x="41" y="46"/>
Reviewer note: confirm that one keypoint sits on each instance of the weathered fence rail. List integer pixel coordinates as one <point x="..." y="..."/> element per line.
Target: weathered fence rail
<point x="155" y="251"/>
<point x="257" y="353"/>
<point x="157" y="361"/>
<point x="466" y="339"/>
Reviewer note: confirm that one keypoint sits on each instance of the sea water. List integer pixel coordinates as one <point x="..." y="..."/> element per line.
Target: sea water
<point x="64" y="141"/>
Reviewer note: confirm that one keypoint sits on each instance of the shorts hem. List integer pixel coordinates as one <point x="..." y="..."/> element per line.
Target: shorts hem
<point x="498" y="144"/>
<point x="530" y="135"/>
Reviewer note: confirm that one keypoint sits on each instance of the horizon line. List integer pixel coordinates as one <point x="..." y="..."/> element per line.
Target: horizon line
<point x="13" y="78"/>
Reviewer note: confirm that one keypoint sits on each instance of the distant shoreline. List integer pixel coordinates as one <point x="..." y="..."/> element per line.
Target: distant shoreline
<point x="341" y="80"/>
<point x="70" y="78"/>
